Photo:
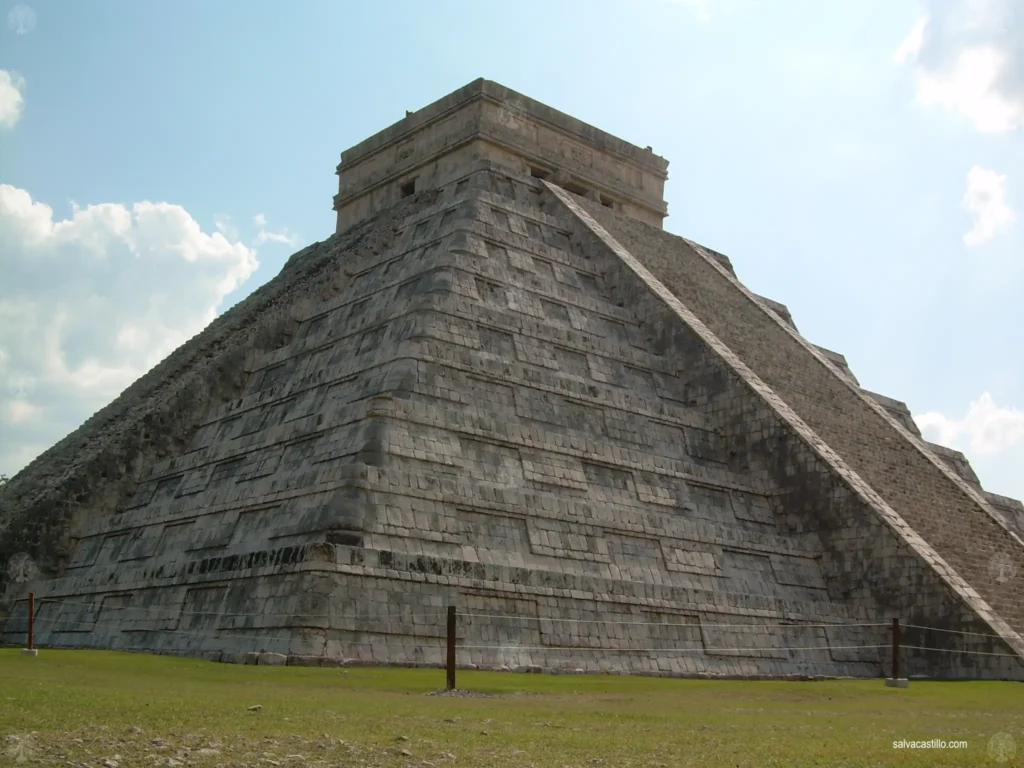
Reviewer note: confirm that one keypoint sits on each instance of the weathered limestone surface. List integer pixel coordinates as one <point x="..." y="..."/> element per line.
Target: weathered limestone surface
<point x="87" y="474"/>
<point x="476" y="397"/>
<point x="486" y="121"/>
<point x="1011" y="510"/>
<point x="917" y="485"/>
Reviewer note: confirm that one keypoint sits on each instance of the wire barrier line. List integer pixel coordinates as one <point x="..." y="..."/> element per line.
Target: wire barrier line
<point x="266" y="638"/>
<point x="224" y="633"/>
<point x="661" y="623"/>
<point x="126" y="627"/>
<point x="439" y="614"/>
<point x="950" y="631"/>
<point x="128" y="609"/>
<point x="774" y="601"/>
<point x="513" y="648"/>
<point x="220" y="633"/>
<point x="98" y="605"/>
<point x="60" y="622"/>
<point x="955" y="650"/>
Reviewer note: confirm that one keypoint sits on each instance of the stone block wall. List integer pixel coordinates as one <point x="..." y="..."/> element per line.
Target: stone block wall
<point x="489" y="412"/>
<point x="440" y="143"/>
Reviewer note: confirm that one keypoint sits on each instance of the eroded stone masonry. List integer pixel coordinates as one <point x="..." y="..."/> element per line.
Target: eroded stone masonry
<point x="502" y="386"/>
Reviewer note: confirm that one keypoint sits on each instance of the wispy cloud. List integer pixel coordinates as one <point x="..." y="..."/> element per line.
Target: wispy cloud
<point x="12" y="102"/>
<point x="911" y="45"/>
<point x="224" y="225"/>
<point x="986" y="429"/>
<point x="985" y="200"/>
<point x="969" y="58"/>
<point x="266" y="236"/>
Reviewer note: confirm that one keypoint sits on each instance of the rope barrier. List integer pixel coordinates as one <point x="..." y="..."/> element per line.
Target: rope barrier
<point x="228" y="633"/>
<point x="205" y="639"/>
<point x="218" y="633"/>
<point x="951" y="631"/>
<point x="511" y="648"/>
<point x="955" y="650"/>
<point x="264" y="639"/>
<point x="717" y="592"/>
<point x="439" y="612"/>
<point x="699" y="625"/>
<point x="98" y="605"/>
<point x="85" y="623"/>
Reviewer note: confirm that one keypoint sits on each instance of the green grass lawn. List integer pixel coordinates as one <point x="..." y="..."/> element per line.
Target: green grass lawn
<point x="87" y="707"/>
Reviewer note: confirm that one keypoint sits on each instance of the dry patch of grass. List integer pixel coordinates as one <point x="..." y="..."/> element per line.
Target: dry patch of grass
<point x="104" y="709"/>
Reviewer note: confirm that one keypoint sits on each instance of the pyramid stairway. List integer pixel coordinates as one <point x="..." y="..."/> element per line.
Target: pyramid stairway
<point x="908" y="486"/>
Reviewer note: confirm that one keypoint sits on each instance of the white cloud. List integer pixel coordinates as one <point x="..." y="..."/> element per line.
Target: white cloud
<point x="969" y="87"/>
<point x="985" y="200"/>
<point x="275" y="237"/>
<point x="223" y="224"/>
<point x="969" y="57"/>
<point x="227" y="228"/>
<point x="89" y="303"/>
<point x="11" y="99"/>
<point x="911" y="45"/>
<point x="21" y="410"/>
<point x="264" y="235"/>
<point x="985" y="430"/>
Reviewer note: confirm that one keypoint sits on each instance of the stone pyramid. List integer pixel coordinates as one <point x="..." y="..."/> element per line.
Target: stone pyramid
<point x="502" y="386"/>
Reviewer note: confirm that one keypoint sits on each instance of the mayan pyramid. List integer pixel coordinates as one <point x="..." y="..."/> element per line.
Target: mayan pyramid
<point x="502" y="386"/>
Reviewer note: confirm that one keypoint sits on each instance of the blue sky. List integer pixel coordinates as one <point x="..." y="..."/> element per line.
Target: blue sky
<point x="159" y="161"/>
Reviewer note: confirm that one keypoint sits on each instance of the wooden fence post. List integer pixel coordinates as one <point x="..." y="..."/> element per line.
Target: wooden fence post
<point x="451" y="648"/>
<point x="896" y="681"/>
<point x="31" y="620"/>
<point x="895" y="649"/>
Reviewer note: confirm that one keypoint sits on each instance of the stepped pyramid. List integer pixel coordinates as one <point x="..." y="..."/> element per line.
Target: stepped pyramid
<point x="501" y="385"/>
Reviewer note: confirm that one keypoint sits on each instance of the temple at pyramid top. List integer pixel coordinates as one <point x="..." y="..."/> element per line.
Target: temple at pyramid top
<point x="485" y="120"/>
